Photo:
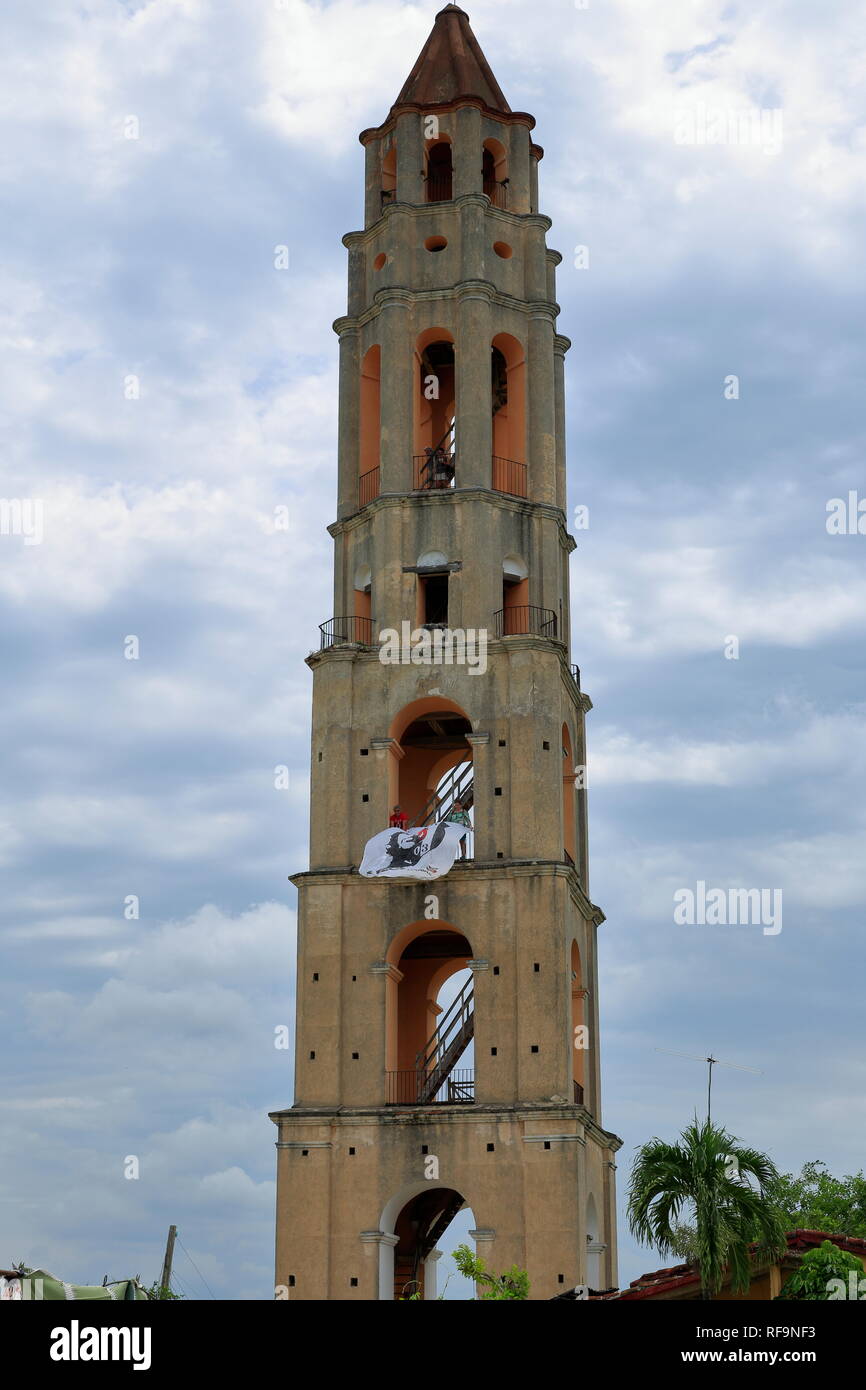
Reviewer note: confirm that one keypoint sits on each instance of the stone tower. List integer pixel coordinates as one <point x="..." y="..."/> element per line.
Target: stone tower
<point x="451" y="519"/>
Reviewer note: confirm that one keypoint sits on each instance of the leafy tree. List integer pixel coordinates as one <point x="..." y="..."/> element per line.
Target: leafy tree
<point x="812" y="1280"/>
<point x="160" y="1292"/>
<point x="514" y="1284"/>
<point x="707" y="1175"/>
<point x="817" y="1201"/>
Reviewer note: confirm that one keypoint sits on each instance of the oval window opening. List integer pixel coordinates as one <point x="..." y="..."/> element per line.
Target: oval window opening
<point x="436" y="243"/>
<point x="380" y="261"/>
<point x="503" y="250"/>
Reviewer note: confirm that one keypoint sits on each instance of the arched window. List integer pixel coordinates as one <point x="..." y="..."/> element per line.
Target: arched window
<point x="434" y="766"/>
<point x="389" y="176"/>
<point x="439" y="173"/>
<point x="494" y="173"/>
<point x="515" y="595"/>
<point x="414" y="1222"/>
<point x="368" y="457"/>
<point x="435" y="452"/>
<point x="508" y="381"/>
<point x="568" y="779"/>
<point x="579" y="1035"/>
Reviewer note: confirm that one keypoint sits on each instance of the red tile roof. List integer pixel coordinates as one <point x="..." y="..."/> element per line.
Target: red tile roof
<point x="451" y="65"/>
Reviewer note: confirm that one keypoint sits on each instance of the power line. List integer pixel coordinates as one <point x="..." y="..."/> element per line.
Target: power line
<point x="196" y="1268"/>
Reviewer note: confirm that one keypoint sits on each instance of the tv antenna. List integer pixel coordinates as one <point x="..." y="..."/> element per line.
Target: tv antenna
<point x="711" y="1062"/>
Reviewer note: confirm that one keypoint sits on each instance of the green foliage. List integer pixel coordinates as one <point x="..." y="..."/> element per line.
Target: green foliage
<point x="816" y="1201"/>
<point x="684" y="1243"/>
<point x="159" y="1292"/>
<point x="811" y="1282"/>
<point x="513" y="1284"/>
<point x="707" y="1176"/>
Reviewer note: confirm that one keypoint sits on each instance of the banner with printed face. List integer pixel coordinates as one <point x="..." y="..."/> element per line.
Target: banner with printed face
<point x="424" y="852"/>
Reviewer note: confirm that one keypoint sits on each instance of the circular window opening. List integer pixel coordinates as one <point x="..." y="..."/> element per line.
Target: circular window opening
<point x="503" y="250"/>
<point x="380" y="261"/>
<point x="436" y="243"/>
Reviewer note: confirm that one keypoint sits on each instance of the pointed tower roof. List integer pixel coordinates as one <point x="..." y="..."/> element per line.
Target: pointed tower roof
<point x="451" y="65"/>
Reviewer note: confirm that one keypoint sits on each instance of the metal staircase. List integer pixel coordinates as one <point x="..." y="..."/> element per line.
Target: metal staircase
<point x="441" y="1053"/>
<point x="459" y="786"/>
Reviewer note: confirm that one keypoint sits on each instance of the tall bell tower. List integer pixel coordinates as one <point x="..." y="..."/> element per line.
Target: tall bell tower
<point x="451" y="520"/>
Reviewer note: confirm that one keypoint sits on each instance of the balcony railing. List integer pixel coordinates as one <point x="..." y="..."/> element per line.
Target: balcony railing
<point x="434" y="471"/>
<point x="342" y="632"/>
<point x="575" y="675"/>
<point x="524" y="619"/>
<point x="509" y="476"/>
<point x="439" y="188"/>
<point x="497" y="193"/>
<point x="368" y="487"/>
<point x="412" y="1088"/>
<point x="578" y="1093"/>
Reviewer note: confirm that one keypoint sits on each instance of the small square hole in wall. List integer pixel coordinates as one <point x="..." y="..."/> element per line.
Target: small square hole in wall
<point x="491" y="1148"/>
<point x="312" y="1056"/>
<point x="493" y="1052"/>
<point x="562" y="1278"/>
<point x="354" y="978"/>
<point x="536" y="968"/>
<point x="351" y="1153"/>
<point x="365" y="797"/>
<point x="291" y="1281"/>
<point x="355" y="1056"/>
<point x="502" y="743"/>
<point x="315" y="974"/>
<point x="499" y="854"/>
<point x="497" y="791"/>
<point x="547" y="1143"/>
<point x="365" y="752"/>
<point x="353" y="1283"/>
<point x="534" y="1047"/>
<point x="320" y="757"/>
<point x="425" y="1149"/>
<point x="496" y="969"/>
<point x="546" y="746"/>
<point x="305" y="1153"/>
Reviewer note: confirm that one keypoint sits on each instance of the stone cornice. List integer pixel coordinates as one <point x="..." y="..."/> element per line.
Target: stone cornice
<point x="453" y="497"/>
<point x="526" y="219"/>
<point x="400" y="296"/>
<point x="414" y="108"/>
<point x="351" y="1115"/>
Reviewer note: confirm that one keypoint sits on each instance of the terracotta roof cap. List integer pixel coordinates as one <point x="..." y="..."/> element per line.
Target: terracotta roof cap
<point x="451" y="65"/>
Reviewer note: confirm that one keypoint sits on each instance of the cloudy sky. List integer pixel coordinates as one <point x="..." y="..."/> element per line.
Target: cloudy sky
<point x="164" y="388"/>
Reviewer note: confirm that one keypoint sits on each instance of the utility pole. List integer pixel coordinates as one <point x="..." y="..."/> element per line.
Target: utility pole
<point x="165" y="1278"/>
<point x="711" y="1062"/>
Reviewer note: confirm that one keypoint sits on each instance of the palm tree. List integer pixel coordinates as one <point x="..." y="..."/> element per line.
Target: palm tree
<point x="707" y="1175"/>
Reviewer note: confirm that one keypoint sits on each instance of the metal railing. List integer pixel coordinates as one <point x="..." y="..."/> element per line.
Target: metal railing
<point x="368" y="486"/>
<point x="439" y="187"/>
<point x="349" y="631"/>
<point x="434" y="471"/>
<point x="408" y="1087"/>
<point x="453" y="1030"/>
<point x="509" y="476"/>
<point x="497" y="193"/>
<point x="524" y="619"/>
<point x="459" y="785"/>
<point x="575" y="675"/>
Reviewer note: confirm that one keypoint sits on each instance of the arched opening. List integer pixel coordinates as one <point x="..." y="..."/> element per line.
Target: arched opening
<point x="415" y="1224"/>
<point x="579" y="1032"/>
<point x="368" y="459"/>
<point x="595" y="1247"/>
<point x="389" y="176"/>
<point x="440" y="173"/>
<point x="494" y="173"/>
<point x="363" y="592"/>
<point x="568" y="780"/>
<point x="433" y="761"/>
<point x="435" y="453"/>
<point x="508" y="380"/>
<point x="515" y="595"/>
<point x="429" y="1017"/>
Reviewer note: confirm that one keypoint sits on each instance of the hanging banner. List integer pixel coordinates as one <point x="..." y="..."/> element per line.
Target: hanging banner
<point x="425" y="852"/>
